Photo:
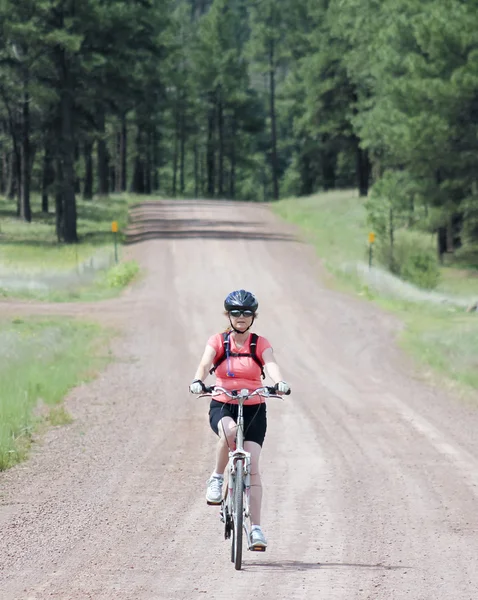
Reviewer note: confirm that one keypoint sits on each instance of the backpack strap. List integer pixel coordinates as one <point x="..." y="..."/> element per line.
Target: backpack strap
<point x="226" y="351"/>
<point x="253" y="345"/>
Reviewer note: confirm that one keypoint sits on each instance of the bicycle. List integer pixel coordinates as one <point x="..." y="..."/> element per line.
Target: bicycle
<point x="235" y="502"/>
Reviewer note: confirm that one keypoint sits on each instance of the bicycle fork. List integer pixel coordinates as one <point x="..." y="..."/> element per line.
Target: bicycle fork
<point x="228" y="501"/>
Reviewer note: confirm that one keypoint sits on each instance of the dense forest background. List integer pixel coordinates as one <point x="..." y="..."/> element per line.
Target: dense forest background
<point x="244" y="99"/>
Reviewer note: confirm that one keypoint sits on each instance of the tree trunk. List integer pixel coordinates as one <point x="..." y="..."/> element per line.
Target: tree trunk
<point x="117" y="187"/>
<point x="4" y="173"/>
<point x="329" y="163"/>
<point x="16" y="188"/>
<point x="274" y="161"/>
<point x="232" y="160"/>
<point x="138" y="173"/>
<point x="59" y="205"/>
<point x="65" y="198"/>
<point x="70" y="235"/>
<point x="25" y="207"/>
<point x="18" y="179"/>
<point x="4" y="166"/>
<point x="363" y="171"/>
<point x="220" y="128"/>
<point x="77" y="177"/>
<point x="88" y="183"/>
<point x="112" y="177"/>
<point x="392" y="240"/>
<point x="156" y="164"/>
<point x="210" y="152"/>
<point x="148" y="166"/>
<point x="103" y="170"/>
<point x="10" y="178"/>
<point x="175" y="152"/>
<point x="450" y="241"/>
<point x="196" y="170"/>
<point x="306" y="175"/>
<point x="47" y="176"/>
<point x="4" y="159"/>
<point x="138" y="176"/>
<point x="202" y="177"/>
<point x="182" y="151"/>
<point x="123" y="152"/>
<point x="441" y="243"/>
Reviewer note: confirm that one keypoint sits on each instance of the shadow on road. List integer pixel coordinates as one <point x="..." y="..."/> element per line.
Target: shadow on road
<point x="162" y="220"/>
<point x="297" y="565"/>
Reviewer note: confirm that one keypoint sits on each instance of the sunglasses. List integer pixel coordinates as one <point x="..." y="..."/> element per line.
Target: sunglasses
<point x="238" y="313"/>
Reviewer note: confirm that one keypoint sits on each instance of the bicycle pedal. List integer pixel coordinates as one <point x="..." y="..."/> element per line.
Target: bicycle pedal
<point x="213" y="503"/>
<point x="257" y="548"/>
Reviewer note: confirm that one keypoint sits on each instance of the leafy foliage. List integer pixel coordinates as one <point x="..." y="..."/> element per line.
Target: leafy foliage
<point x="247" y="100"/>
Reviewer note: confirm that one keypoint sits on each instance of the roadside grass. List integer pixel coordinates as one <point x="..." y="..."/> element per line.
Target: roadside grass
<point x="460" y="277"/>
<point x="106" y="284"/>
<point x="34" y="246"/>
<point x="334" y="222"/>
<point x="447" y="345"/>
<point x="40" y="361"/>
<point x="443" y="338"/>
<point x="30" y="251"/>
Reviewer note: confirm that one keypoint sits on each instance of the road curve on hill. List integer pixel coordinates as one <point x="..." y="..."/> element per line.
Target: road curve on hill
<point x="370" y="474"/>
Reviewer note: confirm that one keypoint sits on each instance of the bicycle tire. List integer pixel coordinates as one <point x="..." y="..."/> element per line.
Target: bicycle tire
<point x="238" y="515"/>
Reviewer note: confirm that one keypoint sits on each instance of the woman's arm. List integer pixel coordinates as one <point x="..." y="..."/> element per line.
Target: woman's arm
<point x="271" y="365"/>
<point x="205" y="363"/>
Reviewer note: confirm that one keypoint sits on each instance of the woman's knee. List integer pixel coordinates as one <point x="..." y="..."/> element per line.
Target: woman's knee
<point x="255" y="451"/>
<point x="227" y="431"/>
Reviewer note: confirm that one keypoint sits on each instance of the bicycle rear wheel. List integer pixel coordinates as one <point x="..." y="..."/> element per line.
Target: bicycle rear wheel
<point x="238" y="517"/>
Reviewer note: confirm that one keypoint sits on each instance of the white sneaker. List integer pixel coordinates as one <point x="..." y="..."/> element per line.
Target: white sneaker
<point x="214" y="490"/>
<point x="258" y="540"/>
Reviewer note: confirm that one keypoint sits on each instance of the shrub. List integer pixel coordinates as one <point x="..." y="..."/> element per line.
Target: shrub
<point x="421" y="268"/>
<point x="122" y="274"/>
<point x="413" y="258"/>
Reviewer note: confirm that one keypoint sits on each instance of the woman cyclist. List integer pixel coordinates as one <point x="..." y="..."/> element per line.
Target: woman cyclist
<point x="239" y="370"/>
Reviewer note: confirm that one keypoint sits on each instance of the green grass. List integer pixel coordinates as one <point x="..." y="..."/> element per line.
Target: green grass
<point x="32" y="249"/>
<point x="40" y="361"/>
<point x="335" y="223"/>
<point x="446" y="340"/>
<point x="107" y="284"/>
<point x="462" y="282"/>
<point x="447" y="345"/>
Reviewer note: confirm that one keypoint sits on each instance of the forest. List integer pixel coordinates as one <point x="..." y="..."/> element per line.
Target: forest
<point x="244" y="99"/>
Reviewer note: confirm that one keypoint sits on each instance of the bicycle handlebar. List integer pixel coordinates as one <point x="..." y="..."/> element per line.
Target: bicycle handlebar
<point x="267" y="391"/>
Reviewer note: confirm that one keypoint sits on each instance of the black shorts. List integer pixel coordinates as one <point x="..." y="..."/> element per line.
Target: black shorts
<point x="255" y="419"/>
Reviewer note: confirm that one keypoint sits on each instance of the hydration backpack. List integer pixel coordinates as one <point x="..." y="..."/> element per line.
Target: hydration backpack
<point x="226" y="352"/>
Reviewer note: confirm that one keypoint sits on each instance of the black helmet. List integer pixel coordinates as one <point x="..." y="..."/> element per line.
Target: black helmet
<point x="241" y="299"/>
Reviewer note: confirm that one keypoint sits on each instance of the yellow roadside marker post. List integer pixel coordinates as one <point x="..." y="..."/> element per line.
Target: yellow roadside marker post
<point x="114" y="229"/>
<point x="371" y="241"/>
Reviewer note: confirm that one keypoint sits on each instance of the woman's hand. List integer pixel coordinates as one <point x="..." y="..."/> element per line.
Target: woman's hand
<point x="197" y="387"/>
<point x="282" y="387"/>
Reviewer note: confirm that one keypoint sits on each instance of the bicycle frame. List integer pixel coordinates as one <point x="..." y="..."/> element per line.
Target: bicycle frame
<point x="232" y="496"/>
<point x="234" y="456"/>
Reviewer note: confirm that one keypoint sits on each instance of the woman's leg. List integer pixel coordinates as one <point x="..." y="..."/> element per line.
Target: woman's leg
<point x="227" y="436"/>
<point x="256" y="485"/>
<point x="215" y="485"/>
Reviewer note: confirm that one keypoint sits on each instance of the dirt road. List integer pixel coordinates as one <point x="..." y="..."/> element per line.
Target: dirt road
<point x="371" y="477"/>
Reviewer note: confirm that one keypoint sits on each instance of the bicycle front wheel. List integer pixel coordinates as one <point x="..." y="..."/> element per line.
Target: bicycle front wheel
<point x="238" y="516"/>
